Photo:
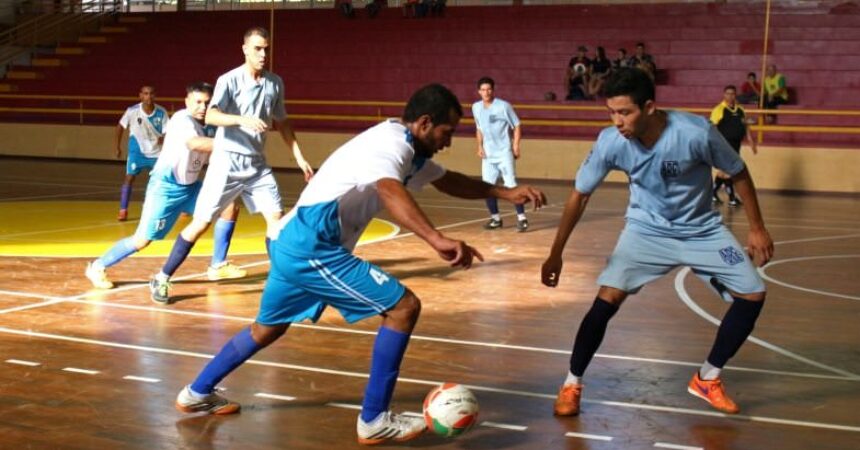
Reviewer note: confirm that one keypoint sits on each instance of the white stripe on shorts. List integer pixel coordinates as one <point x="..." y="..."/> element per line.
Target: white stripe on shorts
<point x="343" y="287"/>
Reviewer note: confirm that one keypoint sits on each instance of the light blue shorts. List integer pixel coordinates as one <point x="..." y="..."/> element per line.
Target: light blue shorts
<point x="231" y="175"/>
<point x="137" y="161"/>
<point x="491" y="169"/>
<point x="301" y="288"/>
<point x="639" y="259"/>
<point x="165" y="201"/>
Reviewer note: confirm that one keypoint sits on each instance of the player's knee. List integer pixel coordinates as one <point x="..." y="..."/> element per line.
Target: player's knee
<point x="264" y="335"/>
<point x="612" y="295"/>
<point x="753" y="297"/>
<point x="407" y="310"/>
<point x="140" y="243"/>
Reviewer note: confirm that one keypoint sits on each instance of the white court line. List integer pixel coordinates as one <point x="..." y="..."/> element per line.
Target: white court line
<point x="42" y="183"/>
<point x="504" y="426"/>
<point x="597" y="437"/>
<point x="685" y="297"/>
<point x="42" y="197"/>
<point x="31" y="306"/>
<point x="21" y="362"/>
<point x="344" y="405"/>
<point x="143" y="379"/>
<point x="321" y="370"/>
<point x="7" y="237"/>
<point x="676" y="446"/>
<point x="808" y="227"/>
<point x="824" y="238"/>
<point x="78" y="370"/>
<point x="762" y="272"/>
<point x="286" y="398"/>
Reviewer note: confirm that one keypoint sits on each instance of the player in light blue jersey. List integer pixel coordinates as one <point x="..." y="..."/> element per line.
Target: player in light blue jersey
<point x="668" y="157"/>
<point x="146" y="123"/>
<point x="313" y="266"/>
<point x="173" y="188"/>
<point x="498" y="133"/>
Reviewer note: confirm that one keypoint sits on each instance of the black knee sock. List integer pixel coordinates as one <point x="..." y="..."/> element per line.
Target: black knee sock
<point x="718" y="182"/>
<point x="590" y="334"/>
<point x="730" y="188"/>
<point x="737" y="325"/>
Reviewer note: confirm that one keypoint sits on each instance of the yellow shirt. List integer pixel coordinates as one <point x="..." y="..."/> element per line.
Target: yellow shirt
<point x="773" y="85"/>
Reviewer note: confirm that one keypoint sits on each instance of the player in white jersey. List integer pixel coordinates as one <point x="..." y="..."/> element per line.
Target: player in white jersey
<point x="173" y="185"/>
<point x="246" y="102"/>
<point x="145" y="123"/>
<point x="313" y="266"/>
<point x="668" y="157"/>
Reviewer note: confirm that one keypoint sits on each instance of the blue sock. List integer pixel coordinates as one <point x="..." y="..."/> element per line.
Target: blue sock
<point x="521" y="209"/>
<point x="180" y="251"/>
<point x="235" y="352"/>
<point x="388" y="350"/>
<point x="222" y="234"/>
<point x="125" y="196"/>
<point x="493" y="205"/>
<point x="120" y="251"/>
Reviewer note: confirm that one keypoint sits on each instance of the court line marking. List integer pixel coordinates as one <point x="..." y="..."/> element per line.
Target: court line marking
<point x="504" y="426"/>
<point x="286" y="398"/>
<point x="479" y="388"/>
<point x="143" y="379"/>
<point x="762" y="272"/>
<point x="596" y="437"/>
<point x="416" y="337"/>
<point x="343" y="405"/>
<point x="777" y="225"/>
<point x="79" y="370"/>
<point x="676" y="446"/>
<point x="42" y="197"/>
<point x="21" y="362"/>
<point x="688" y="300"/>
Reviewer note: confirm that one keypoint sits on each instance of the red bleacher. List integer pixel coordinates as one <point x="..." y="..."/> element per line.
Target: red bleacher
<point x="323" y="56"/>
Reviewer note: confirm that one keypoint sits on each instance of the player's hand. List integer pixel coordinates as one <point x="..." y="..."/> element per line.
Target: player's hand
<point x="760" y="246"/>
<point x="516" y="153"/>
<point x="481" y="153"/>
<point x="458" y="253"/>
<point x="306" y="169"/>
<point x="524" y="194"/>
<point x="550" y="271"/>
<point x="754" y="147"/>
<point x="118" y="153"/>
<point x="253" y="123"/>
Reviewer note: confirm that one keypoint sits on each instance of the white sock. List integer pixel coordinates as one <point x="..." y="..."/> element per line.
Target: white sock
<point x="521" y="217"/>
<point x="163" y="277"/>
<point x="97" y="265"/>
<point x="709" y="372"/>
<point x="572" y="379"/>
<point x="495" y="216"/>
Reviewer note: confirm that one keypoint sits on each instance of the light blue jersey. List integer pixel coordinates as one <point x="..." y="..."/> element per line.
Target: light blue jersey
<point x="495" y="124"/>
<point x="670" y="184"/>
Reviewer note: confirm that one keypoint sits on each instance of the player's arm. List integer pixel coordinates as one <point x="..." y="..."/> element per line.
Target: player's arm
<point x="573" y="209"/>
<point x="218" y="118"/>
<point x="751" y="140"/>
<point x="404" y="210"/>
<point x="518" y="134"/>
<point x="120" y="131"/>
<point x="286" y="130"/>
<point x="480" y="138"/>
<point x="200" y="144"/>
<point x="458" y="185"/>
<point x="759" y="242"/>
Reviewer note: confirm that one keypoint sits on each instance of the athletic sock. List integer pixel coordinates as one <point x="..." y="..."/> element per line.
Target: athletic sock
<point x="125" y="196"/>
<point x="718" y="182"/>
<point x="709" y="372"/>
<point x="737" y="325"/>
<point x="493" y="205"/>
<point x="572" y="379"/>
<point x="181" y="249"/>
<point x="238" y="350"/>
<point x="222" y="234"/>
<point x="590" y="335"/>
<point x="730" y="189"/>
<point x="121" y="250"/>
<point x="521" y="210"/>
<point x="388" y="350"/>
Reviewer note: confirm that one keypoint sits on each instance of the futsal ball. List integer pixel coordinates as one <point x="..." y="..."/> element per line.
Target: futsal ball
<point x="450" y="409"/>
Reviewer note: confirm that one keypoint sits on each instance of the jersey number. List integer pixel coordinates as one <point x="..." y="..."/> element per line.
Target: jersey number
<point x="378" y="276"/>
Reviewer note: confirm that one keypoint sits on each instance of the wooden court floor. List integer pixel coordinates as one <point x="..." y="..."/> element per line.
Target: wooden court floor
<point x="86" y="369"/>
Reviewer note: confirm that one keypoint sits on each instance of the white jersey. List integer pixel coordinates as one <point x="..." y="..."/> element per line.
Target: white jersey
<point x="176" y="159"/>
<point x="145" y="129"/>
<point x="341" y="199"/>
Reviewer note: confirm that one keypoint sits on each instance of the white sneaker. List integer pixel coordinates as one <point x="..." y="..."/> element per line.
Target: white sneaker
<point x="226" y="271"/>
<point x="189" y="402"/>
<point x="98" y="277"/>
<point x="389" y="426"/>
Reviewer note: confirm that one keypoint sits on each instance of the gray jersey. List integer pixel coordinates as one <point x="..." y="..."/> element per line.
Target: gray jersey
<point x="236" y="92"/>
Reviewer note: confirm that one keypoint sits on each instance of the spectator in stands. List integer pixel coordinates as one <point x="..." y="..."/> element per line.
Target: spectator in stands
<point x="345" y="7"/>
<point x="437" y="8"/>
<point x="600" y="68"/>
<point x="643" y="60"/>
<point x="409" y="8"/>
<point x="423" y="8"/>
<point x="622" y="60"/>
<point x="730" y="120"/>
<point x="750" y="90"/>
<point x="577" y="74"/>
<point x="374" y="6"/>
<point x="775" y="92"/>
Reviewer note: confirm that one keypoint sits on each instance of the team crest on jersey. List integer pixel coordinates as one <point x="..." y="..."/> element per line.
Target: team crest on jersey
<point x="731" y="256"/>
<point x="670" y="169"/>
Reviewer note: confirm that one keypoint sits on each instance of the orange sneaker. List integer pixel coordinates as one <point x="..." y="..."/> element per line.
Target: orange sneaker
<point x="567" y="402"/>
<point x="122" y="216"/>
<point x="712" y="392"/>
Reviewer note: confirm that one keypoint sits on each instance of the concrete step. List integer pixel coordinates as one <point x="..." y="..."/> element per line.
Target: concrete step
<point x="92" y="40"/>
<point x="22" y="74"/>
<point x="8" y="87"/>
<point x="70" y="51"/>
<point x="48" y="62"/>
<point x="113" y="29"/>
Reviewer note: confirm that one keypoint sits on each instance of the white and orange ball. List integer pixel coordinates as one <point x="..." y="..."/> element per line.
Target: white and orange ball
<point x="450" y="409"/>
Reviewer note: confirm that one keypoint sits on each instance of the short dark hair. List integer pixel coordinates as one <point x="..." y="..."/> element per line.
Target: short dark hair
<point x="731" y="86"/>
<point x="256" y="31"/>
<point x="632" y="82"/>
<point x="640" y="44"/>
<point x="486" y="80"/>
<point x="199" y="86"/>
<point x="623" y="50"/>
<point x="751" y="74"/>
<point x="434" y="100"/>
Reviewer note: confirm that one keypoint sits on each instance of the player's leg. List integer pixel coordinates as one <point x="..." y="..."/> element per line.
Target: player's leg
<point x="222" y="234"/>
<point x="490" y="174"/>
<point x="636" y="260"/>
<point x="719" y="181"/>
<point x="261" y="195"/>
<point x="508" y="170"/>
<point x="132" y="168"/>
<point x="721" y="256"/>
